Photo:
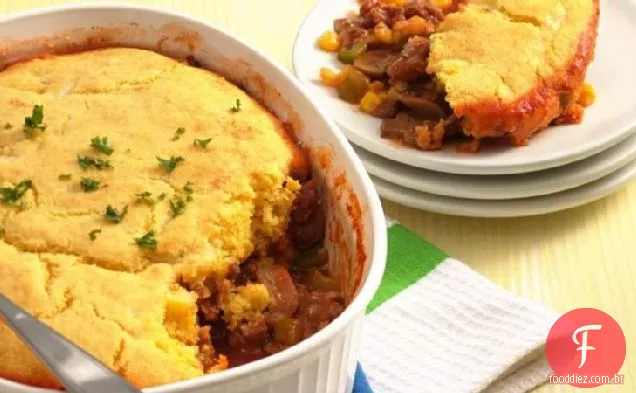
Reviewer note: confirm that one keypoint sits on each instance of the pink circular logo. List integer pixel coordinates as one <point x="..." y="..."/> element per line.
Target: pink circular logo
<point x="586" y="348"/>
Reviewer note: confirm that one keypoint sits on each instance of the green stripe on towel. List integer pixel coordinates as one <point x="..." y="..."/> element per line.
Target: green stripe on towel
<point x="409" y="259"/>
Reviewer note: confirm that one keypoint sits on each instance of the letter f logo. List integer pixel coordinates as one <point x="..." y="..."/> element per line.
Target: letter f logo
<point x="583" y="344"/>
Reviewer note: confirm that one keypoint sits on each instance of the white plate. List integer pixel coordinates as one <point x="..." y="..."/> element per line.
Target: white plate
<point x="611" y="119"/>
<point x="502" y="186"/>
<point x="508" y="208"/>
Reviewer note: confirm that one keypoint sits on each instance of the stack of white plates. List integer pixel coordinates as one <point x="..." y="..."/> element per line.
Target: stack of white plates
<point x="561" y="168"/>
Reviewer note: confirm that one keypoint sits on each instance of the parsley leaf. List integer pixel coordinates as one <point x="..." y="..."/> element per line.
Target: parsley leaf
<point x="147" y="241"/>
<point x="188" y="191"/>
<point x="102" y="164"/>
<point x="237" y="107"/>
<point x="161" y="196"/>
<point x="145" y="197"/>
<point x="177" y="205"/>
<point x="170" y="164"/>
<point x="8" y="126"/>
<point x="202" y="143"/>
<point x="114" y="215"/>
<point x="64" y="177"/>
<point x="89" y="184"/>
<point x="101" y="144"/>
<point x="10" y="196"/>
<point x="34" y="122"/>
<point x="93" y="234"/>
<point x="86" y="162"/>
<point x="177" y="134"/>
<point x="2" y="231"/>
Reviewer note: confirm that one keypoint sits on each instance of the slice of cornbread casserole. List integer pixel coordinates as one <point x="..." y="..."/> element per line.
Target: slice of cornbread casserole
<point x="511" y="67"/>
<point x="132" y="187"/>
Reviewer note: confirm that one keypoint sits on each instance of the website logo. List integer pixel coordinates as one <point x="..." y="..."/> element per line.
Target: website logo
<point x="586" y="348"/>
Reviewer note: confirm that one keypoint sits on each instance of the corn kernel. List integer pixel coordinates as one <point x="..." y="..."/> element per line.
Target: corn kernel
<point x="399" y="31"/>
<point x="394" y="3"/>
<point x="330" y="77"/>
<point x="382" y="32"/>
<point x="372" y="100"/>
<point x="329" y="41"/>
<point x="416" y="25"/>
<point x="443" y="4"/>
<point x="588" y="95"/>
<point x="400" y="25"/>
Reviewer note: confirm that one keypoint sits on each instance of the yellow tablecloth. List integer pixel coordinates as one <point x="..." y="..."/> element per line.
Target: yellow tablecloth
<point x="585" y="257"/>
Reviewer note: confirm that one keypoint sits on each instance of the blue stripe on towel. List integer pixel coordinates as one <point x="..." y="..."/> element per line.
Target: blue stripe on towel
<point x="360" y="384"/>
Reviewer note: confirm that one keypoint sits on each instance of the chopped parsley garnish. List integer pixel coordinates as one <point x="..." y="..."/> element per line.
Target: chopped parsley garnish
<point x="2" y="231"/>
<point x="101" y="144"/>
<point x="147" y="241"/>
<point x="170" y="164"/>
<point x="145" y="197"/>
<point x="177" y="134"/>
<point x="86" y="162"/>
<point x="161" y="196"/>
<point x="33" y="124"/>
<point x="114" y="215"/>
<point x="102" y="164"/>
<point x="188" y="190"/>
<point x="89" y="184"/>
<point x="202" y="143"/>
<point x="93" y="234"/>
<point x="10" y="196"/>
<point x="8" y="126"/>
<point x="177" y="205"/>
<point x="64" y="177"/>
<point x="237" y="107"/>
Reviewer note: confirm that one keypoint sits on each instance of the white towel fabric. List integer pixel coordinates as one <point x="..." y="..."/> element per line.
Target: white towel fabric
<point x="454" y="331"/>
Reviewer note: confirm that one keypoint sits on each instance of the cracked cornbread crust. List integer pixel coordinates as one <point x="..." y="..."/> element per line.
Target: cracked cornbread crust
<point x="128" y="305"/>
<point x="512" y="67"/>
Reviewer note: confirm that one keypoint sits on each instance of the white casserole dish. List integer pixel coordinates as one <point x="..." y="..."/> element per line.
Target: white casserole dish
<point x="356" y="234"/>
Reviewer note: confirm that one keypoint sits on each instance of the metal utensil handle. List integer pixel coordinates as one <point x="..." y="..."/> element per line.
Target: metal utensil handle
<point x="78" y="371"/>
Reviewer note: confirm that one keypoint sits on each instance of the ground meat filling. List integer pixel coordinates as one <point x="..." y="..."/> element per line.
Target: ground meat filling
<point x="424" y="9"/>
<point x="304" y="297"/>
<point x="392" y="69"/>
<point x="307" y="226"/>
<point x="412" y="62"/>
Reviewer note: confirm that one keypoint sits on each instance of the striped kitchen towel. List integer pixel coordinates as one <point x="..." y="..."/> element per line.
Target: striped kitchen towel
<point x="437" y="326"/>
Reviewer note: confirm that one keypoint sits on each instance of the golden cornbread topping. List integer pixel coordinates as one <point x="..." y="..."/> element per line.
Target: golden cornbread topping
<point x="527" y="41"/>
<point x="465" y="70"/>
<point x="132" y="188"/>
